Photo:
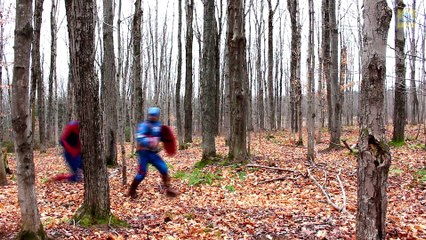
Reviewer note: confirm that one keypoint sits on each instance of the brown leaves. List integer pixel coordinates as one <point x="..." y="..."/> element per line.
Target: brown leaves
<point x="238" y="205"/>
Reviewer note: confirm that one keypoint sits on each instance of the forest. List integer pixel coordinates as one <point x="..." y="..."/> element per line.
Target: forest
<point x="212" y="119"/>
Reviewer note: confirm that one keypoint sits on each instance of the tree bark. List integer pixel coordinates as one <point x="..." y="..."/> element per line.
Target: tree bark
<point x="296" y="88"/>
<point x="188" y="72"/>
<point x="109" y="77"/>
<point x="36" y="73"/>
<point x="311" y="85"/>
<point x="399" y="114"/>
<point x="208" y="81"/>
<point x="81" y="29"/>
<point x="271" y="65"/>
<point x="31" y="226"/>
<point x="238" y="81"/>
<point x="336" y="108"/>
<point x="179" y="77"/>
<point x="374" y="159"/>
<point x="413" y="52"/>
<point x="137" y="57"/>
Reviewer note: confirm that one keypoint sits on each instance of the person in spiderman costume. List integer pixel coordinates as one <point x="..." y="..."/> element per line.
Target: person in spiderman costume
<point x="70" y="140"/>
<point x="148" y="135"/>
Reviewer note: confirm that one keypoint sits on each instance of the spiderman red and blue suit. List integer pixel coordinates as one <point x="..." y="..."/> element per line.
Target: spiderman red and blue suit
<point x="70" y="140"/>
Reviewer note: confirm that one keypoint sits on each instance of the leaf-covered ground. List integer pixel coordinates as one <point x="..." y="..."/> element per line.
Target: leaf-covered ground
<point x="232" y="202"/>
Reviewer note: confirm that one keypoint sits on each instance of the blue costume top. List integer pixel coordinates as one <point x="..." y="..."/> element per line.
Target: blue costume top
<point x="145" y="133"/>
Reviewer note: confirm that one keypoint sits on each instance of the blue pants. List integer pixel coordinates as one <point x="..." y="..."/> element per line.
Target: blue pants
<point x="75" y="164"/>
<point x="145" y="157"/>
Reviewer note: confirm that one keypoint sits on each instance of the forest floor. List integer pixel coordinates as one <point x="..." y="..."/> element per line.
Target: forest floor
<point x="233" y="202"/>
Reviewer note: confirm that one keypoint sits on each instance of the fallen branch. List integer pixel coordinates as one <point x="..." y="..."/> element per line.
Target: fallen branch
<point x="273" y="180"/>
<point x="327" y="196"/>
<point x="273" y="168"/>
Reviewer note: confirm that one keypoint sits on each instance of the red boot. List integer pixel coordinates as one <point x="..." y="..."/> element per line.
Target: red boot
<point x="132" y="189"/>
<point x="169" y="191"/>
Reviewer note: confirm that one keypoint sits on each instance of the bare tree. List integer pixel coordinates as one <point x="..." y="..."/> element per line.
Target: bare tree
<point x="238" y="81"/>
<point x="336" y="108"/>
<point x="412" y="58"/>
<point x="271" y="12"/>
<point x="81" y="30"/>
<point x="179" y="77"/>
<point x="109" y="77"/>
<point x="296" y="88"/>
<point x="311" y="84"/>
<point x="137" y="57"/>
<point x="208" y="80"/>
<point x="374" y="158"/>
<point x="188" y="72"/>
<point x="399" y="113"/>
<point x="31" y="227"/>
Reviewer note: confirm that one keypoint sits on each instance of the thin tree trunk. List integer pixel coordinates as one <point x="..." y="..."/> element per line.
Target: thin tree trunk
<point x="271" y="65"/>
<point x="399" y="112"/>
<point x="109" y="78"/>
<point x="413" y="52"/>
<point x="336" y="107"/>
<point x="122" y="99"/>
<point x="179" y="77"/>
<point x="321" y="111"/>
<point x="31" y="227"/>
<point x="311" y="85"/>
<point x="137" y="57"/>
<point x="188" y="72"/>
<point x="374" y="158"/>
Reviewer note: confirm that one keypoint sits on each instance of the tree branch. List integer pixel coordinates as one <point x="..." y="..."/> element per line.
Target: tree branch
<point x="327" y="196"/>
<point x="273" y="168"/>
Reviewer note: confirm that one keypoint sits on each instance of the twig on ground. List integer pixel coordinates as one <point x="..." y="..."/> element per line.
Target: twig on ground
<point x="327" y="196"/>
<point x="273" y="168"/>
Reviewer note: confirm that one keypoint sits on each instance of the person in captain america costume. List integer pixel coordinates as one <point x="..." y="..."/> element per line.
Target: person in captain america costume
<point x="148" y="135"/>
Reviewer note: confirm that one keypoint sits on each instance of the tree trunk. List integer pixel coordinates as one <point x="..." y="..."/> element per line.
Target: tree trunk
<point x="179" y="77"/>
<point x="121" y="99"/>
<point x="271" y="65"/>
<point x="321" y="111"/>
<point x="31" y="227"/>
<point x="260" y="94"/>
<point x="52" y="78"/>
<point x="36" y="73"/>
<point x="413" y="52"/>
<point x="238" y="81"/>
<point x="81" y="25"/>
<point x="311" y="85"/>
<point x="399" y="112"/>
<point x="109" y="75"/>
<point x="296" y="88"/>
<point x="188" y="72"/>
<point x="137" y="57"/>
<point x="374" y="158"/>
<point x="208" y="80"/>
<point x="336" y="107"/>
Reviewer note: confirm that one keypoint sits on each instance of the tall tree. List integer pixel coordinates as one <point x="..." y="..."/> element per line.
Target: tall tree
<point x="399" y="112"/>
<point x="412" y="58"/>
<point x="336" y="108"/>
<point x="81" y="30"/>
<point x="109" y="77"/>
<point x="295" y="83"/>
<point x="374" y="158"/>
<point x="311" y="84"/>
<point x="188" y="72"/>
<point x="271" y="12"/>
<point x="36" y="71"/>
<point x="179" y="77"/>
<point x="238" y="81"/>
<point x="259" y="74"/>
<point x="31" y="227"/>
<point x="137" y="57"/>
<point x="208" y="80"/>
